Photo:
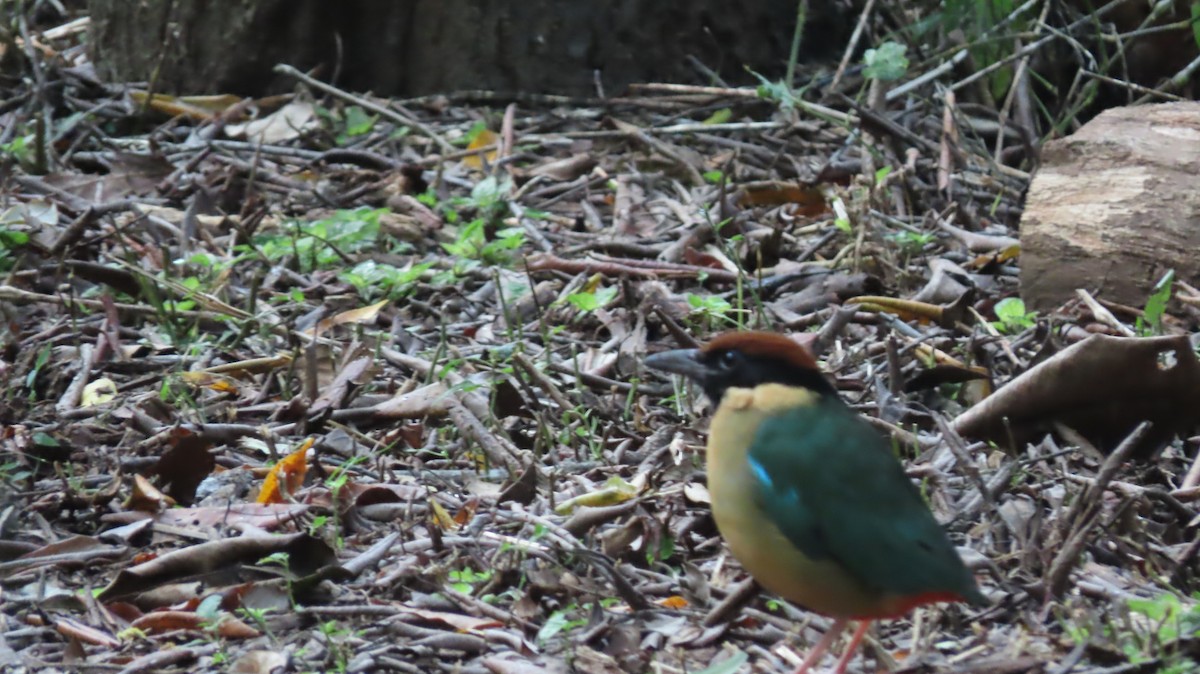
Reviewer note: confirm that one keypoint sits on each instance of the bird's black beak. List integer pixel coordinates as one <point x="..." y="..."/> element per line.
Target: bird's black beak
<point x="681" y="361"/>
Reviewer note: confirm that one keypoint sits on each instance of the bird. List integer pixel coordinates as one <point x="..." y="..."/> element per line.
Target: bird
<point x="809" y="496"/>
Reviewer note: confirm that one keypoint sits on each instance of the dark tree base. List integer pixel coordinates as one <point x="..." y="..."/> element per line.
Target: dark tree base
<point x="429" y="46"/>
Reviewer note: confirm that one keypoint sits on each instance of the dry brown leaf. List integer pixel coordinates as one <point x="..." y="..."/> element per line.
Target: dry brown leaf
<point x="462" y="623"/>
<point x="265" y="516"/>
<point x="285" y="124"/>
<point x="146" y="498"/>
<point x="184" y="464"/>
<point x="158" y="622"/>
<point x="1102" y="387"/>
<point x="356" y="372"/>
<point x="87" y="634"/>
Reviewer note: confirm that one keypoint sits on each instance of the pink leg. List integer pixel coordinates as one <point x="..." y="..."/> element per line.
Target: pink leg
<point x="815" y="654"/>
<point x="855" y="640"/>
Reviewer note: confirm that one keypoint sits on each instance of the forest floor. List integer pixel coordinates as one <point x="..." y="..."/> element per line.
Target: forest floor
<point x="358" y="388"/>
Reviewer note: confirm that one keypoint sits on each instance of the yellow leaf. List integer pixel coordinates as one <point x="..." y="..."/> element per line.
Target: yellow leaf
<point x="440" y="517"/>
<point x="193" y="107"/>
<point x="244" y="368"/>
<point x="906" y="310"/>
<point x="481" y="140"/>
<point x="98" y="392"/>
<point x="592" y="284"/>
<point x="210" y="380"/>
<point x="614" y="491"/>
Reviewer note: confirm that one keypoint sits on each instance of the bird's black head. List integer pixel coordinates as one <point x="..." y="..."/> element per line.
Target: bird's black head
<point x="745" y="360"/>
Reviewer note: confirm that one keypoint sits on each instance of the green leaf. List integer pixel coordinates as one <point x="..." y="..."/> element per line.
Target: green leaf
<point x="719" y="117"/>
<point x="11" y="239"/>
<point x="556" y="623"/>
<point x="1151" y="320"/>
<point x="1012" y="315"/>
<point x="476" y="129"/>
<point x="887" y="63"/>
<point x="358" y="122"/>
<point x="593" y="300"/>
<point x="210" y="607"/>
<point x="1196" y="22"/>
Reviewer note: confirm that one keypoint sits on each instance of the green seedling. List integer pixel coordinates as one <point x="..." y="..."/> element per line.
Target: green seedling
<point x="1012" y="315"/>
<point x="1151" y="320"/>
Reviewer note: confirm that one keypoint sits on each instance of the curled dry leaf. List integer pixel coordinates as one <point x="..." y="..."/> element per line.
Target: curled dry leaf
<point x="146" y="498"/>
<point x="363" y="315"/>
<point x="357" y="371"/>
<point x="1102" y="387"/>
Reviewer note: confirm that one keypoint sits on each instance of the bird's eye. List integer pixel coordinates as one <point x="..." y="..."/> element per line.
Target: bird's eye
<point x="729" y="359"/>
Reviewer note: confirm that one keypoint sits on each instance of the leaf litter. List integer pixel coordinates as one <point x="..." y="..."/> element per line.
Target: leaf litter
<point x="491" y="482"/>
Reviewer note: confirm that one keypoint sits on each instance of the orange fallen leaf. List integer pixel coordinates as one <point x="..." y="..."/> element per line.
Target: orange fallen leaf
<point x="808" y="200"/>
<point x="209" y="380"/>
<point x="674" y="601"/>
<point x="286" y="476"/>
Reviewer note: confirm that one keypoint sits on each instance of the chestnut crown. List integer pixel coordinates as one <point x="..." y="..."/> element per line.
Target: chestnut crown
<point x="745" y="360"/>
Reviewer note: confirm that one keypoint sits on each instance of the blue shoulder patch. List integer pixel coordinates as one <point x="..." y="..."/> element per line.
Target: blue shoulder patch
<point x="760" y="473"/>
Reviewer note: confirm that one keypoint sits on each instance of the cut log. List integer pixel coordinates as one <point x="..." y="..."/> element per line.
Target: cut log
<point x="1114" y="207"/>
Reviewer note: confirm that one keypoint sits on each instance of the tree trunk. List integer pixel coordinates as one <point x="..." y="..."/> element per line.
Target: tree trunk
<point x="417" y="47"/>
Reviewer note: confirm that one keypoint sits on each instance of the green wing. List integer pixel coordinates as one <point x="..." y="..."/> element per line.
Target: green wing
<point x="831" y="485"/>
